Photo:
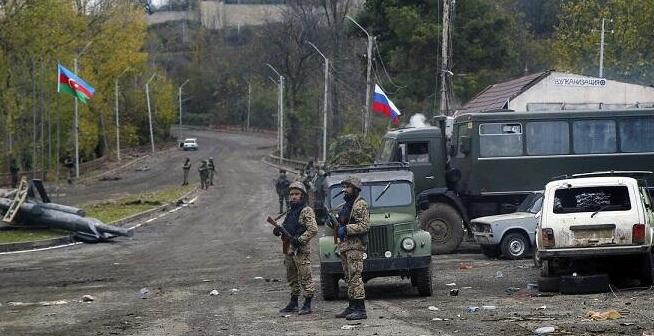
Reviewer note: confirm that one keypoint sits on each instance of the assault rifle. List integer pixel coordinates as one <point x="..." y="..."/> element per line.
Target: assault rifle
<point x="286" y="236"/>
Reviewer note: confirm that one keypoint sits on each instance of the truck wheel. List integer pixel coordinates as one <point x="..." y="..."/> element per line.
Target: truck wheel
<point x="329" y="286"/>
<point x="490" y="251"/>
<point x="422" y="280"/>
<point x="646" y="276"/>
<point x="445" y="226"/>
<point x="515" y="245"/>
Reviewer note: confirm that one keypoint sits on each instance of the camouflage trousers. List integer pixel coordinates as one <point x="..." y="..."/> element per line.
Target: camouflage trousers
<point x="185" y="177"/>
<point x="211" y="177"/>
<point x="352" y="261"/>
<point x="298" y="274"/>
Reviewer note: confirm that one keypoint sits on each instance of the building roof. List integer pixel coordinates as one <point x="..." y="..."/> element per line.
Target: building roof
<point x="497" y="96"/>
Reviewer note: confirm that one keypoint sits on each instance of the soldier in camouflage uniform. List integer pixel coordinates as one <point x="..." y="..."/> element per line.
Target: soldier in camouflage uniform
<point x="354" y="221"/>
<point x="300" y="222"/>
<point x="204" y="175"/>
<point x="186" y="167"/>
<point x="211" y="170"/>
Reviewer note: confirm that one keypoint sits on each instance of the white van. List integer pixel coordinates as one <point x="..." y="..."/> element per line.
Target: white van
<point x="596" y="215"/>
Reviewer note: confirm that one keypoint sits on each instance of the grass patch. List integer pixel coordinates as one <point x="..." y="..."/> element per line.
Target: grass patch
<point x="109" y="211"/>
<point x="106" y="211"/>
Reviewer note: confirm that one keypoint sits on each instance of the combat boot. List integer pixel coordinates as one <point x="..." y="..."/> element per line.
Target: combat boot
<point x="291" y="307"/>
<point x="359" y="312"/>
<point x="347" y="311"/>
<point x="306" y="307"/>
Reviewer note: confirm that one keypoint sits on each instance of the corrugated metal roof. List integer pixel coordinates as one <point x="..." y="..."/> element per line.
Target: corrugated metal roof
<point x="497" y="96"/>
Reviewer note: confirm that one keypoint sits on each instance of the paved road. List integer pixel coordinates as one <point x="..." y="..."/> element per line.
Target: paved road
<point x="223" y="243"/>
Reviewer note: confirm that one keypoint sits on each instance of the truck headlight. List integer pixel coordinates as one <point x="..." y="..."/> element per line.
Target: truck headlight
<point x="408" y="244"/>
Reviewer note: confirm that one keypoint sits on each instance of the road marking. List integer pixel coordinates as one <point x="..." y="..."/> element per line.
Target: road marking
<point x="41" y="249"/>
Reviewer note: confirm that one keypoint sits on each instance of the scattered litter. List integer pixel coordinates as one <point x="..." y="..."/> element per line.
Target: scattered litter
<point x="214" y="293"/>
<point x="601" y="316"/>
<point x="287" y="315"/>
<point x="465" y="267"/>
<point x="437" y="319"/>
<point x="258" y="278"/>
<point x="454" y="292"/>
<point x="349" y="326"/>
<point x="499" y="274"/>
<point x="466" y="287"/>
<point x="451" y="284"/>
<point x="434" y="308"/>
<point x="532" y="285"/>
<point x="512" y="290"/>
<point x="488" y="307"/>
<point x="88" y="298"/>
<point x="542" y="308"/>
<point x="472" y="309"/>
<point x="54" y="303"/>
<point x="626" y="324"/>
<point x="544" y="330"/>
<point x="234" y="291"/>
<point x="144" y="293"/>
<point x="206" y="280"/>
<point x="143" y="168"/>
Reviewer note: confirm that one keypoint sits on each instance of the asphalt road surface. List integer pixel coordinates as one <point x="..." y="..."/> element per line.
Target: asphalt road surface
<point x="158" y="283"/>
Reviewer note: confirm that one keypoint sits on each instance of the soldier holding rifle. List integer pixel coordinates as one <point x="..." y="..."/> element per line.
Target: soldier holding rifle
<point x="297" y="230"/>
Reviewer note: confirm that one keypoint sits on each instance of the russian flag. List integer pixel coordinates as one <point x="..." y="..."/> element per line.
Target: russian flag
<point x="381" y="104"/>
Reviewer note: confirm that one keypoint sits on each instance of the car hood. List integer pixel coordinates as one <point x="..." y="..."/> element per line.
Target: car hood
<point x="386" y="218"/>
<point x="506" y="218"/>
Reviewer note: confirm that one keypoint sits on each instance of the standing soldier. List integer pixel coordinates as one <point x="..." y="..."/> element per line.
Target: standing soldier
<point x="13" y="170"/>
<point x="300" y="222"/>
<point x="70" y="165"/>
<point x="186" y="168"/>
<point x="212" y="169"/>
<point x="354" y="220"/>
<point x="281" y="186"/>
<point x="203" y="169"/>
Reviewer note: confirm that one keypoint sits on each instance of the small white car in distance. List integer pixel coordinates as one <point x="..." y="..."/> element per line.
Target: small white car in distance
<point x="605" y="217"/>
<point x="190" y="144"/>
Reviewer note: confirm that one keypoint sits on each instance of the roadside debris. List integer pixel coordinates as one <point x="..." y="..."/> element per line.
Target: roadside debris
<point x="258" y="278"/>
<point x="454" y="292"/>
<point x="601" y="316"/>
<point x="350" y="326"/>
<point x="512" y="290"/>
<point x="472" y="309"/>
<point x="451" y="284"/>
<point x="464" y="267"/>
<point x="53" y="303"/>
<point x="88" y="298"/>
<point x="499" y="274"/>
<point x="433" y="308"/>
<point x="143" y="168"/>
<point x="234" y="291"/>
<point x="287" y="315"/>
<point x="213" y="293"/>
<point x="542" y="308"/>
<point x="488" y="307"/>
<point x="544" y="330"/>
<point x="532" y="285"/>
<point x="144" y="293"/>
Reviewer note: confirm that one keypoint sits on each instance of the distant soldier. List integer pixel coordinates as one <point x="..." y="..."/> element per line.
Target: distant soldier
<point x="204" y="175"/>
<point x="300" y="222"/>
<point x="212" y="169"/>
<point x="354" y="221"/>
<point x="70" y="165"/>
<point x="281" y="187"/>
<point x="310" y="170"/>
<point x="187" y="168"/>
<point x="13" y="170"/>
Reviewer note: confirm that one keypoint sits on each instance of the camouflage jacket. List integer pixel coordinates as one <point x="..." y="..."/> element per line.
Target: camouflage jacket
<point x="307" y="219"/>
<point x="359" y="224"/>
<point x="187" y="166"/>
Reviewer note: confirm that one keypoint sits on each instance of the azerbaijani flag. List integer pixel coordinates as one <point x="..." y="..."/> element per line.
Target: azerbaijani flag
<point x="381" y="104"/>
<point x="69" y="83"/>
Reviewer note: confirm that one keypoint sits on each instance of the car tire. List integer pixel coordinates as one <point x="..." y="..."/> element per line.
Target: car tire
<point x="445" y="226"/>
<point x="647" y="269"/>
<point x="515" y="245"/>
<point x="329" y="286"/>
<point x="546" y="269"/>
<point x="536" y="258"/>
<point x="549" y="284"/>
<point x="422" y="280"/>
<point x="490" y="251"/>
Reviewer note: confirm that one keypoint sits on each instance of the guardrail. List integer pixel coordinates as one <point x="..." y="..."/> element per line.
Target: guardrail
<point x="289" y="163"/>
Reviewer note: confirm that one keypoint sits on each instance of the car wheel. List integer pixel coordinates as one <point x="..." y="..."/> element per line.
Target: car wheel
<point x="515" y="245"/>
<point x="491" y="251"/>
<point x="422" y="280"/>
<point x="546" y="269"/>
<point x="445" y="226"/>
<point x="329" y="286"/>
<point x="549" y="284"/>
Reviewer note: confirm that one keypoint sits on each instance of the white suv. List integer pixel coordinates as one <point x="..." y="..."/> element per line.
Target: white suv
<point x="605" y="216"/>
<point x="190" y="144"/>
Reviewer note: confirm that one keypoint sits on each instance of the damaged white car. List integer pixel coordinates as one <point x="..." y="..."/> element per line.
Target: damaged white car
<point x="596" y="222"/>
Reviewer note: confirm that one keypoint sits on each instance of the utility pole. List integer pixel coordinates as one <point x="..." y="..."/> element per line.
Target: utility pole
<point x="179" y="94"/>
<point x="444" y="108"/>
<point x="601" y="60"/>
<point x="366" y="114"/>
<point x="247" y="120"/>
<point x="117" y="116"/>
<point x="281" y="112"/>
<point x="147" y="95"/>
<point x="324" y="105"/>
<point x="76" y="122"/>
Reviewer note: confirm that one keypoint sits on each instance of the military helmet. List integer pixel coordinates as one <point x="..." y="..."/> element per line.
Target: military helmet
<point x="211" y="158"/>
<point x="299" y="186"/>
<point x="353" y="181"/>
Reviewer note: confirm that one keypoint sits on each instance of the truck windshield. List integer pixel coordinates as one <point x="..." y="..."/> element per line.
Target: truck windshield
<point x="398" y="194"/>
<point x="386" y="152"/>
<point x="591" y="199"/>
<point x="531" y="204"/>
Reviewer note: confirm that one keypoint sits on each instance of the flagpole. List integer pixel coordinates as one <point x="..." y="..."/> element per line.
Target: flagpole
<point x="76" y="129"/>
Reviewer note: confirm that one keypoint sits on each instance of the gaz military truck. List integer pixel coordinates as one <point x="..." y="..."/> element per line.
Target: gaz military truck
<point x="493" y="160"/>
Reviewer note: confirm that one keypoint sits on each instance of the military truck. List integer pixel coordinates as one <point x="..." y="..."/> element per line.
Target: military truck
<point x="396" y="245"/>
<point x="493" y="160"/>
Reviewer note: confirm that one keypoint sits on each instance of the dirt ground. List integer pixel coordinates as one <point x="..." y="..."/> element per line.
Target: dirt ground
<point x="158" y="283"/>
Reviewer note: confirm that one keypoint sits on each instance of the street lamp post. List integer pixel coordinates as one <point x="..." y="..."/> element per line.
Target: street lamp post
<point x="147" y="95"/>
<point x="324" y="105"/>
<point x="247" y="119"/>
<point x="366" y="117"/>
<point x="179" y="94"/>
<point x="76" y="122"/>
<point x="117" y="115"/>
<point x="281" y="112"/>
